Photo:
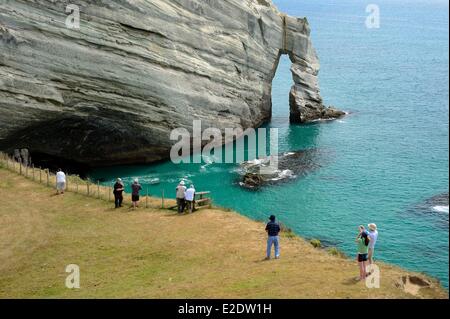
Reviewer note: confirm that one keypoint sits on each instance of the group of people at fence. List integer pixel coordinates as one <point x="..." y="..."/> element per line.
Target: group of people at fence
<point x="185" y="197"/>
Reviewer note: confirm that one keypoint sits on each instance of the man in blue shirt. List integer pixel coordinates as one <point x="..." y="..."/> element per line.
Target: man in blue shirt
<point x="273" y="229"/>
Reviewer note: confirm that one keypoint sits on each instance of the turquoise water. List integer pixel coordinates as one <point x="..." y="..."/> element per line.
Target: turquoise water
<point x="381" y="163"/>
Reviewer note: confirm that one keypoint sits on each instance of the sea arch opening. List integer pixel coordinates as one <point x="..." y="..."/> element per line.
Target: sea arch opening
<point x="280" y="88"/>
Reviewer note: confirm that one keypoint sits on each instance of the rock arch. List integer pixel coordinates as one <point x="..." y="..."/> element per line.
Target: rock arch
<point x="305" y="101"/>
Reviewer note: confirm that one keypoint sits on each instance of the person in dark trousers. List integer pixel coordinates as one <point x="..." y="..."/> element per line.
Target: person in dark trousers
<point x="118" y="193"/>
<point x="273" y="229"/>
<point x="181" y="202"/>
<point x="135" y="189"/>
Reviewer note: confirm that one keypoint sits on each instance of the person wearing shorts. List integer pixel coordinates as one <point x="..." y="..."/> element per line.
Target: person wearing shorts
<point x="135" y="188"/>
<point x="362" y="240"/>
<point x="60" y="182"/>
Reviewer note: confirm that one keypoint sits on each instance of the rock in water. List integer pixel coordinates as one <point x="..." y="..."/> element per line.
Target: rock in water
<point x="258" y="172"/>
<point x="111" y="91"/>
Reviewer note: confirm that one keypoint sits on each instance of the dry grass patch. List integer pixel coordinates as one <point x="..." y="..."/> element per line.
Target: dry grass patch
<point x="153" y="253"/>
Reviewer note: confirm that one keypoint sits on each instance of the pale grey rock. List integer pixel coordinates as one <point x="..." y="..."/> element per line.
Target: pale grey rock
<point x="111" y="91"/>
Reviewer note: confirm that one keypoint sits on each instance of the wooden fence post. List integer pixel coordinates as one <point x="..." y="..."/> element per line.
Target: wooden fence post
<point x="32" y="168"/>
<point x="48" y="178"/>
<point x="20" y="166"/>
<point x="40" y="175"/>
<point x="87" y="185"/>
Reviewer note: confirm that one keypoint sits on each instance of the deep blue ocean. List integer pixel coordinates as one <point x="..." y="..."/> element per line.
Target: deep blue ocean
<point x="382" y="163"/>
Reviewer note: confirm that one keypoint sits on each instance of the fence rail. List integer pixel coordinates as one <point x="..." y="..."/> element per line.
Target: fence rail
<point x="76" y="184"/>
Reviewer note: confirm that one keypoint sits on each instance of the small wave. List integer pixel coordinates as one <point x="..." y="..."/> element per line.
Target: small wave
<point x="203" y="167"/>
<point x="441" y="209"/>
<point x="284" y="174"/>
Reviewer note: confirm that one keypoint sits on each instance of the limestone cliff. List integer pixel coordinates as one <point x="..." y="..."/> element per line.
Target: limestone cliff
<point x="111" y="91"/>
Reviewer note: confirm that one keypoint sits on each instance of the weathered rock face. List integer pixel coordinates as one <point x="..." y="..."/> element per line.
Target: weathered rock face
<point x="111" y="91"/>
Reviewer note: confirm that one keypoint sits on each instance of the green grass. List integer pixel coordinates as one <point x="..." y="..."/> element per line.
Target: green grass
<point x="333" y="251"/>
<point x="315" y="243"/>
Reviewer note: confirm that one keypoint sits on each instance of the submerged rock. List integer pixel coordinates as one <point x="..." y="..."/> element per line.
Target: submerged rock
<point x="291" y="165"/>
<point x="111" y="91"/>
<point x="438" y="200"/>
<point x="437" y="204"/>
<point x="436" y="208"/>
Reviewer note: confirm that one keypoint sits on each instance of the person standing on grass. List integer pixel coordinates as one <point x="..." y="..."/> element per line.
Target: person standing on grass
<point x="273" y="229"/>
<point x="60" y="182"/>
<point x="118" y="193"/>
<point x="362" y="241"/>
<point x="189" y="196"/>
<point x="373" y="235"/>
<point x="135" y="189"/>
<point x="181" y="190"/>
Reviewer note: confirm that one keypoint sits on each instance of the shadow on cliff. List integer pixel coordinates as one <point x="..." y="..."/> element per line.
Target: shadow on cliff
<point x="77" y="143"/>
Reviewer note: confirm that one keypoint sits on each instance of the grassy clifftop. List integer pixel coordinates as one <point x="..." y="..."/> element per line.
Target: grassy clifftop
<point x="153" y="253"/>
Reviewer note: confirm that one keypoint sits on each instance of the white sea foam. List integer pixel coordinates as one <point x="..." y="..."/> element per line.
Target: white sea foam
<point x="155" y="181"/>
<point x="284" y="174"/>
<point x="441" y="209"/>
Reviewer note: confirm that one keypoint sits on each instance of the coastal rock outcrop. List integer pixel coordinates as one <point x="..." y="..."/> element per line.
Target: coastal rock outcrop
<point x="290" y="165"/>
<point x="111" y="90"/>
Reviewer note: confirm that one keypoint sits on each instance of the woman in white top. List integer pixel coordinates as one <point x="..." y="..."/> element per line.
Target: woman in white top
<point x="373" y="235"/>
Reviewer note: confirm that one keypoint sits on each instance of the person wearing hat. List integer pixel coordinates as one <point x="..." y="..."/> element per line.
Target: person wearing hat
<point x="373" y="235"/>
<point x="135" y="189"/>
<point x="273" y="229"/>
<point x="181" y="192"/>
<point x="118" y="193"/>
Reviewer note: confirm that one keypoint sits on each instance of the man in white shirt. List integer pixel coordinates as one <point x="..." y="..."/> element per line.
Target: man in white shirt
<point x="373" y="235"/>
<point x="60" y="182"/>
<point x="189" y="196"/>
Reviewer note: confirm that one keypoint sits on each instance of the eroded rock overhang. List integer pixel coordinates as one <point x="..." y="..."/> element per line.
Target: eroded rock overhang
<point x="111" y="91"/>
